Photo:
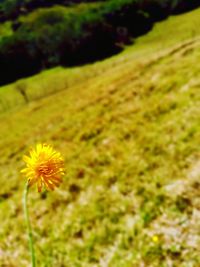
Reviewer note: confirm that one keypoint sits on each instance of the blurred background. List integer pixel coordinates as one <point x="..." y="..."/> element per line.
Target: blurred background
<point x="114" y="86"/>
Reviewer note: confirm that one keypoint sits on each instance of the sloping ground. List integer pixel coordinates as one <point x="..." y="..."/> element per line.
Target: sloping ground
<point x="130" y="134"/>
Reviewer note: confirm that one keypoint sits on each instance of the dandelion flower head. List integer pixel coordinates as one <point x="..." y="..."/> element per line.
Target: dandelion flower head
<point x="44" y="167"/>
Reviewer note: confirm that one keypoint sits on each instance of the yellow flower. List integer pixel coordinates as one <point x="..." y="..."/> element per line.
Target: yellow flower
<point x="155" y="239"/>
<point x="44" y="166"/>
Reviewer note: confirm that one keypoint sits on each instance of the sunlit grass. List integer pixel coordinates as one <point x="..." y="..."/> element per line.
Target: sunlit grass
<point x="128" y="128"/>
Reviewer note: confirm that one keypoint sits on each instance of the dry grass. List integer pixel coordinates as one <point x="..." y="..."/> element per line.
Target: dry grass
<point x="128" y="128"/>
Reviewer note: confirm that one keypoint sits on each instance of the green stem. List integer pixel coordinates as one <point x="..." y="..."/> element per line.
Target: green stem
<point x="29" y="229"/>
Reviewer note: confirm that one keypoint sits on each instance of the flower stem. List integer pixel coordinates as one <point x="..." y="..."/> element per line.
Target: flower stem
<point x="29" y="229"/>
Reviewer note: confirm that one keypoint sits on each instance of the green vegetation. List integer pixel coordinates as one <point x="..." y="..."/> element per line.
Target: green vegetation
<point x="75" y="35"/>
<point x="5" y="29"/>
<point x="128" y="128"/>
<point x="12" y="9"/>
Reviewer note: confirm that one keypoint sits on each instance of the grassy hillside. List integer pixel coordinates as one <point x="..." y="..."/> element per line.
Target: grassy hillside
<point x="128" y="128"/>
<point x="50" y="33"/>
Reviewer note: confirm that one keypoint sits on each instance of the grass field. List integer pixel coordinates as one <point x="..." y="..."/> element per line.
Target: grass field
<point x="129" y="130"/>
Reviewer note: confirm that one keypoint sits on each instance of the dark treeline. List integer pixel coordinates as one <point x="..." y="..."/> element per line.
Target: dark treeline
<point x="11" y="9"/>
<point x="58" y="36"/>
